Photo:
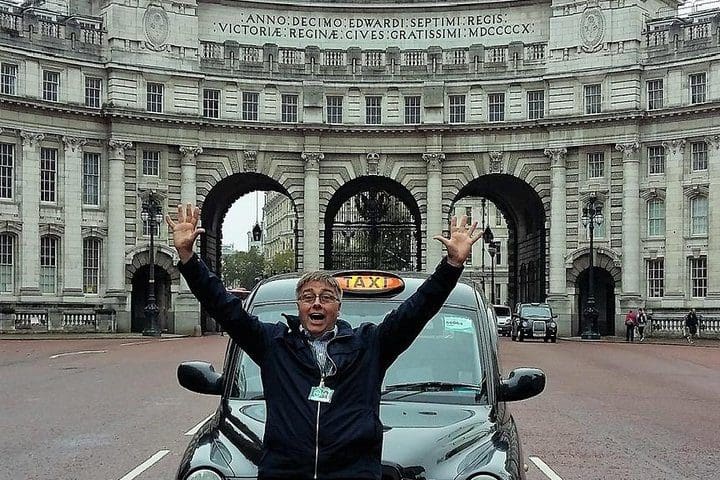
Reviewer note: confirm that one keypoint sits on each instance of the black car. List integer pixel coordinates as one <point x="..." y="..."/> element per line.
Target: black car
<point x="534" y="320"/>
<point x="443" y="401"/>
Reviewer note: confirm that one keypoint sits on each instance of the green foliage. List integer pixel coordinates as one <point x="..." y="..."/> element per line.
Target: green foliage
<point x="281" y="262"/>
<point x="240" y="269"/>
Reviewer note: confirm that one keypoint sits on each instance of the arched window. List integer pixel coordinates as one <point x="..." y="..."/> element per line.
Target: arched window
<point x="656" y="217"/>
<point x="7" y="263"/>
<point x="91" y="265"/>
<point x="698" y="215"/>
<point x="48" y="263"/>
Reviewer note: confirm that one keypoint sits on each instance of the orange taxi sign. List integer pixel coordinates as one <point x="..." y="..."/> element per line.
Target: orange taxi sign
<point x="369" y="282"/>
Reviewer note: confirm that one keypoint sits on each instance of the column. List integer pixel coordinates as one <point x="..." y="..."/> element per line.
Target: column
<point x="713" y="257"/>
<point x="433" y="248"/>
<point x="558" y="219"/>
<point x="115" y="246"/>
<point x="674" y="221"/>
<point x="30" y="212"/>
<point x="188" y="188"/>
<point x="73" y="245"/>
<point x="631" y="265"/>
<point x="311" y="210"/>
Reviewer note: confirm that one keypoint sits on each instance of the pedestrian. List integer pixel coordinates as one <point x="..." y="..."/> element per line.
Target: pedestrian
<point x="316" y="358"/>
<point x="691" y="325"/>
<point x="630" y="324"/>
<point x="641" y="323"/>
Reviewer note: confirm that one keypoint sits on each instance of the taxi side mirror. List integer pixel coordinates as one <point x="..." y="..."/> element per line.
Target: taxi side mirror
<point x="200" y="377"/>
<point x="522" y="383"/>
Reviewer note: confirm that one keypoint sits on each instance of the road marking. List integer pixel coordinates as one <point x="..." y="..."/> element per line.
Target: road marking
<point x="134" y="343"/>
<point x="194" y="430"/>
<point x="84" y="352"/>
<point x="170" y="339"/>
<point x="545" y="469"/>
<point x="145" y="465"/>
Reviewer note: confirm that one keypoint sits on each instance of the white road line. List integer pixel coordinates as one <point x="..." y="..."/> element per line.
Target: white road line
<point x="84" y="352"/>
<point x="194" y="430"/>
<point x="134" y="343"/>
<point x="145" y="465"/>
<point x="545" y="469"/>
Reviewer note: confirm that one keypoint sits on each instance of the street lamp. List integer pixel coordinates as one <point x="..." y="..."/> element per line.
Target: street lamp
<point x="591" y="216"/>
<point x="152" y="216"/>
<point x="487" y="237"/>
<point x="493" y="248"/>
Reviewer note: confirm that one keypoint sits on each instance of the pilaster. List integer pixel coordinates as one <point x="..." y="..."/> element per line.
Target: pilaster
<point x="557" y="297"/>
<point x="674" y="227"/>
<point x="116" y="216"/>
<point x="73" y="245"/>
<point x="30" y="212"/>
<point x="631" y="266"/>
<point x="434" y="161"/>
<point x="188" y="192"/>
<point x="713" y="257"/>
<point x="311" y="213"/>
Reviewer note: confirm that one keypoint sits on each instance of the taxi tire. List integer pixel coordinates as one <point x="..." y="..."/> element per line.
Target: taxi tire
<point x="553" y="340"/>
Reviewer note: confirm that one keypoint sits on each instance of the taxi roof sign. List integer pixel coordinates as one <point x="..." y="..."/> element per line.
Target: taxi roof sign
<point x="369" y="283"/>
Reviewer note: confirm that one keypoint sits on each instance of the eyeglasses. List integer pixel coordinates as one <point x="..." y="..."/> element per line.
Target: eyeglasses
<point x="324" y="297"/>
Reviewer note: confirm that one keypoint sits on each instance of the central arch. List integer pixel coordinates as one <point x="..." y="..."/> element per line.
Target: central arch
<point x="525" y="214"/>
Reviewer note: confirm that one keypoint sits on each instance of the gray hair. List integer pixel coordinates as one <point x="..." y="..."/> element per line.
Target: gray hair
<point x="319" y="276"/>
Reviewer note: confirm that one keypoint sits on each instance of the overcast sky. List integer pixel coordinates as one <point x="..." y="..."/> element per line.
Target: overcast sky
<point x="241" y="218"/>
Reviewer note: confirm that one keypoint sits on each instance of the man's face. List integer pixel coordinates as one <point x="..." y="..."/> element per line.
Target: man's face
<point x="318" y="307"/>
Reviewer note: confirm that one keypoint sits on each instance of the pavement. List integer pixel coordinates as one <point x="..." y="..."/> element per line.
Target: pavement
<point x="82" y="336"/>
<point x="698" y="342"/>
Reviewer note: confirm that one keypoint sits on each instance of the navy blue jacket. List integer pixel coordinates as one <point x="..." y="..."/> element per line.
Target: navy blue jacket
<point x="305" y="439"/>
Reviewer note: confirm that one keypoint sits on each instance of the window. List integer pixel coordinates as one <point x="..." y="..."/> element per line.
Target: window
<point x="596" y="165"/>
<point x="289" y="108"/>
<point x="496" y="102"/>
<point x="468" y="214"/>
<point x="211" y="103"/>
<point x="498" y="254"/>
<point x="457" y="108"/>
<point x="51" y="85"/>
<point x="656" y="160"/>
<point x="497" y="292"/>
<point x="7" y="167"/>
<point x="656" y="277"/>
<point x="8" y="78"/>
<point x="498" y="217"/>
<point x="536" y="104"/>
<point x="598" y="230"/>
<point x="91" y="178"/>
<point x="334" y="109"/>
<point x="656" y="217"/>
<point x="91" y="265"/>
<point x="593" y="98"/>
<point x="698" y="153"/>
<point x="250" y="106"/>
<point x="48" y="264"/>
<point x="146" y="227"/>
<point x="7" y="263"/>
<point x="93" y="92"/>
<point x="698" y="215"/>
<point x="655" y="94"/>
<point x="698" y="277"/>
<point x="151" y="163"/>
<point x="155" y="97"/>
<point x="698" y="87"/>
<point x="48" y="174"/>
<point x="373" y="110"/>
<point x="412" y="110"/>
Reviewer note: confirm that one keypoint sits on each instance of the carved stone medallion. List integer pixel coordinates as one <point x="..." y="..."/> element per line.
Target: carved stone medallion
<point x="157" y="27"/>
<point x="592" y="27"/>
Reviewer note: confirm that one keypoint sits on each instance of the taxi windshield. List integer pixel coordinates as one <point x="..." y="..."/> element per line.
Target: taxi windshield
<point x="536" y="311"/>
<point x="447" y="351"/>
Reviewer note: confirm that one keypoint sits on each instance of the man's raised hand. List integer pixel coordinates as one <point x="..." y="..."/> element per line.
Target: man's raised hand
<point x="185" y="230"/>
<point x="462" y="238"/>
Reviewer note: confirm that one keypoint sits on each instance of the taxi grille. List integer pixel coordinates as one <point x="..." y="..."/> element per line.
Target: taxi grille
<point x="538" y="328"/>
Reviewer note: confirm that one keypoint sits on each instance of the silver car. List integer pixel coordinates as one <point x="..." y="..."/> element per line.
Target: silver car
<point x="504" y="319"/>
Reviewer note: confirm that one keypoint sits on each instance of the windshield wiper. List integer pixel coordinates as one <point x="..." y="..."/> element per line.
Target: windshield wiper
<point x="430" y="387"/>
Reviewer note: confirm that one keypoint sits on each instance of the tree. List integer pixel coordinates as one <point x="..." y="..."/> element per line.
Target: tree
<point x="281" y="262"/>
<point x="240" y="269"/>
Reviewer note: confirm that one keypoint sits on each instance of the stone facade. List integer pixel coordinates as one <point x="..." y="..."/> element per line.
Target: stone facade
<point x="537" y="106"/>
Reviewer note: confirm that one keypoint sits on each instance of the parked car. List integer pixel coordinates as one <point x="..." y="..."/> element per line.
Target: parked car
<point x="504" y="319"/>
<point x="444" y="394"/>
<point x="534" y="320"/>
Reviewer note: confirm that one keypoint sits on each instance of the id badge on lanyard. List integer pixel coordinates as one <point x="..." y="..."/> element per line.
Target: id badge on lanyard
<point x="321" y="393"/>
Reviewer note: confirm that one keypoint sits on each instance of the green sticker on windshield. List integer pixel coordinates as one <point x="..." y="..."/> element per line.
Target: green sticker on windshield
<point x="458" y="324"/>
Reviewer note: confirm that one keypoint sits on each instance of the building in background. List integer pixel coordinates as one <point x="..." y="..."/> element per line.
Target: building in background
<point x="373" y="123"/>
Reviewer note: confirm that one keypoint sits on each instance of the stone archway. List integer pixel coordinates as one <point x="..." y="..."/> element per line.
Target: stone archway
<point x="373" y="222"/>
<point x="163" y="299"/>
<point x="524" y="212"/>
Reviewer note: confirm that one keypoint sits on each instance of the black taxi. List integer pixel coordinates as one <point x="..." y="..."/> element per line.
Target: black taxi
<point x="443" y="406"/>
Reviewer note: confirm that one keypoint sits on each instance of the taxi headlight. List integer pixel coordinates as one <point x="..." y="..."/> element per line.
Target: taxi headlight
<point x="525" y="324"/>
<point x="552" y="324"/>
<point x="204" y="474"/>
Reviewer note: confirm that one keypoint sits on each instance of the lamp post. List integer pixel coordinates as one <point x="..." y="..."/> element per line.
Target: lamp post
<point x="152" y="215"/>
<point x="493" y="248"/>
<point x="487" y="237"/>
<point x="591" y="216"/>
